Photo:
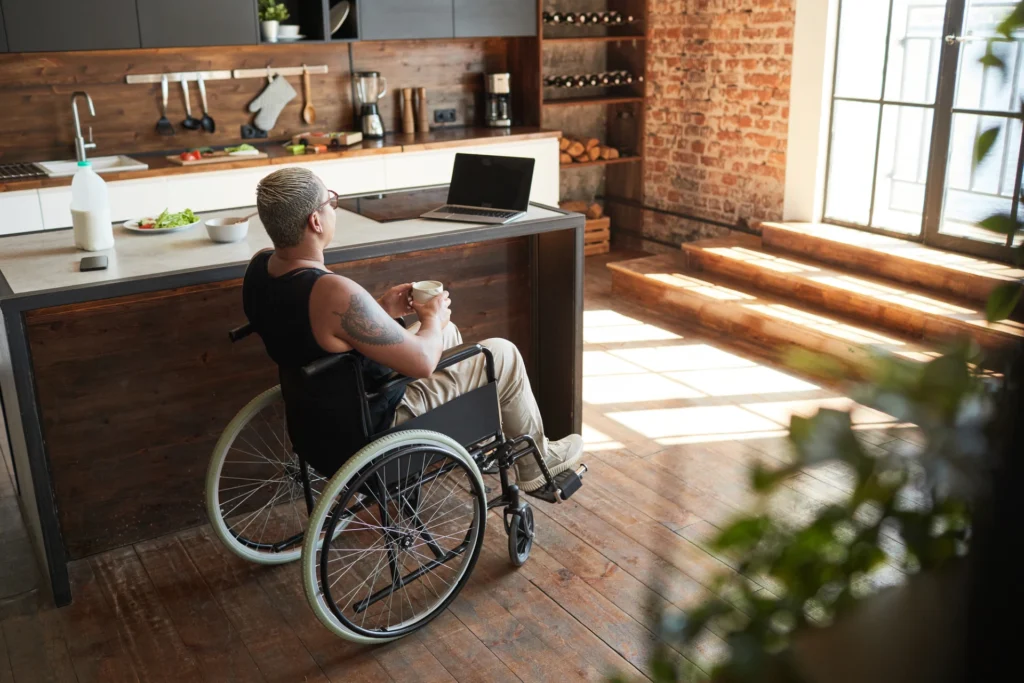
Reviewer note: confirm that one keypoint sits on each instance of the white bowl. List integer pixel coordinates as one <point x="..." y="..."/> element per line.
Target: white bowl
<point x="287" y="30"/>
<point x="220" y="230"/>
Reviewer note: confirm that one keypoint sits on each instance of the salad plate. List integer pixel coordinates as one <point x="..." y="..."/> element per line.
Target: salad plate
<point x="164" y="224"/>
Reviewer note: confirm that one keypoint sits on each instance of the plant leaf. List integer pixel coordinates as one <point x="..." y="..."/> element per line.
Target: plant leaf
<point x="1002" y="223"/>
<point x="989" y="59"/>
<point x="983" y="145"/>
<point x="1003" y="301"/>
<point x="1012" y="22"/>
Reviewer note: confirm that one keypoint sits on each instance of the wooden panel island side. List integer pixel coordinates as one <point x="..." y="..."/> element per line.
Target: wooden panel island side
<point x="117" y="383"/>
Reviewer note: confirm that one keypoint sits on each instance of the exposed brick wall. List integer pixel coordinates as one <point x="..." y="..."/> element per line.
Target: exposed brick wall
<point x="717" y="112"/>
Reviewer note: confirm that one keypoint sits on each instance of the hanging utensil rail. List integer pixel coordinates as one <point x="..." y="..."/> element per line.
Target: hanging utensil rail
<point x="222" y="75"/>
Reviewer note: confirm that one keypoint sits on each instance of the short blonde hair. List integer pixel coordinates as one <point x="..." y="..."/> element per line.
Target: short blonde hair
<point x="285" y="199"/>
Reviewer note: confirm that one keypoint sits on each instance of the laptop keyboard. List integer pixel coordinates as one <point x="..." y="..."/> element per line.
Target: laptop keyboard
<point x="490" y="213"/>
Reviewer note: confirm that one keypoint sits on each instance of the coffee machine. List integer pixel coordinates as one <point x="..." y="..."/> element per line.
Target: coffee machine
<point x="499" y="101"/>
<point x="370" y="87"/>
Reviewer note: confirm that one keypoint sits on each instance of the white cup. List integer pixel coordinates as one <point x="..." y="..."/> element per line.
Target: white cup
<point x="287" y="30"/>
<point x="425" y="290"/>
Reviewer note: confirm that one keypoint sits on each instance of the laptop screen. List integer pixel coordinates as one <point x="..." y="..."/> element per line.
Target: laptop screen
<point x="491" y="182"/>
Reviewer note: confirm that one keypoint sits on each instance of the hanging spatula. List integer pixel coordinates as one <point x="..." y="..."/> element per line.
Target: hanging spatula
<point x="164" y="125"/>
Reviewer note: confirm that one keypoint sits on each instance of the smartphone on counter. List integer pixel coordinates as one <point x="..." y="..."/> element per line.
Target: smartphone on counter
<point x="93" y="263"/>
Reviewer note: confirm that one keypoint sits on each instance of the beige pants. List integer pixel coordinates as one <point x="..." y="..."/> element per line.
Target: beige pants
<point x="519" y="412"/>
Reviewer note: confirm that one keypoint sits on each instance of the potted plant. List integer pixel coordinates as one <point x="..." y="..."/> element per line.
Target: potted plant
<point x="271" y="15"/>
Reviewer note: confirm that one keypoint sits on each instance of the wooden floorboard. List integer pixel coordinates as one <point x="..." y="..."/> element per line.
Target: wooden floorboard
<point x="634" y="543"/>
<point x="141" y="619"/>
<point x="202" y="625"/>
<point x="275" y="648"/>
<point x="97" y="650"/>
<point x="37" y="650"/>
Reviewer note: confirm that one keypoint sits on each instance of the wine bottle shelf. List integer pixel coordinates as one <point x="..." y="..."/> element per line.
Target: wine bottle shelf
<point x="604" y="79"/>
<point x="584" y="19"/>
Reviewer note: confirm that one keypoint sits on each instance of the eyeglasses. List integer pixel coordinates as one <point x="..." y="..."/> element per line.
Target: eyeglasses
<point x="332" y="199"/>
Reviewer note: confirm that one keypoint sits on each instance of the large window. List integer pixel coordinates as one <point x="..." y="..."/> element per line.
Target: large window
<point x="909" y="99"/>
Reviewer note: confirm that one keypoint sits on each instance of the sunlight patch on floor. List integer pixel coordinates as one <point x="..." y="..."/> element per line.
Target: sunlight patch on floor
<point x="634" y="388"/>
<point x="756" y="379"/>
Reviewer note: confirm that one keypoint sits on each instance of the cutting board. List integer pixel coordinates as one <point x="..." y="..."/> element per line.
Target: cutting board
<point x="215" y="158"/>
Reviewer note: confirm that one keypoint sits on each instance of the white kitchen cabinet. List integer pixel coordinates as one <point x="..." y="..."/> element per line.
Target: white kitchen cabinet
<point x="349" y="176"/>
<point x="137" y="198"/>
<point x="56" y="205"/>
<point x="20" y="212"/>
<point x="417" y="169"/>
<point x="49" y="208"/>
<point x="214" y="191"/>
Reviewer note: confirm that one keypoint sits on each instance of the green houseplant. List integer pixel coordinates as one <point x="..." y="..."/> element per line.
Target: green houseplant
<point x="271" y="15"/>
<point x="797" y="586"/>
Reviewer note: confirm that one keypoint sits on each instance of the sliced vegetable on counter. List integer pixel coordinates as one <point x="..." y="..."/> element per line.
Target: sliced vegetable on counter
<point x="168" y="220"/>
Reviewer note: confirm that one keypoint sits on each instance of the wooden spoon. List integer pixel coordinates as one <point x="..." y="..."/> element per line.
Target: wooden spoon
<point x="308" y="112"/>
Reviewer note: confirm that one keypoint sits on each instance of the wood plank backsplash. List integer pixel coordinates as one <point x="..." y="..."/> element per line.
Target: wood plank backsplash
<point x="35" y="90"/>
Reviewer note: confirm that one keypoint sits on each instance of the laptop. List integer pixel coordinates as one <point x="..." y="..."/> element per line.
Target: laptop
<point x="487" y="189"/>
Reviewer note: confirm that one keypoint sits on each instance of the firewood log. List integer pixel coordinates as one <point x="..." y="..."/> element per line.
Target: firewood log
<point x="613" y="153"/>
<point x="564" y="158"/>
<point x="576" y="148"/>
<point x="606" y="152"/>
<point x="592" y="142"/>
<point x="594" y="211"/>
<point x="593" y="153"/>
<point x="563" y="144"/>
<point x="575" y="207"/>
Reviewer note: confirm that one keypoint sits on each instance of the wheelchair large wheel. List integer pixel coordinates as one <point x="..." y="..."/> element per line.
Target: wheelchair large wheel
<point x="254" y="493"/>
<point x="412" y="513"/>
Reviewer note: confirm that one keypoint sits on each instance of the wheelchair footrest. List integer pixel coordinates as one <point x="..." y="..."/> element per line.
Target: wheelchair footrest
<point x="563" y="486"/>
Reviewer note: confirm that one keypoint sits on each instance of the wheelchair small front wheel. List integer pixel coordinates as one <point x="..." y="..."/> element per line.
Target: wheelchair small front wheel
<point x="255" y="496"/>
<point x="405" y="517"/>
<point x="520" y="535"/>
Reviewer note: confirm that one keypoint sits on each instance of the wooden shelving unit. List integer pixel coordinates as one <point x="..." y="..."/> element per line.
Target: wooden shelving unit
<point x="603" y="162"/>
<point x="593" y="39"/>
<point x="613" y="114"/>
<point x="601" y="99"/>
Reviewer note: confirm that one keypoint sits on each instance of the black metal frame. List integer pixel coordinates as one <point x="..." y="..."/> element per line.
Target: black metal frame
<point x="943" y="110"/>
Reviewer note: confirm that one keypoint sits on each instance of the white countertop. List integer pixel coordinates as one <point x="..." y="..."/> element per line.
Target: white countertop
<point x="43" y="261"/>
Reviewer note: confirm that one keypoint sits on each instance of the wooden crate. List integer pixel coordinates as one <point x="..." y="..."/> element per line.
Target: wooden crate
<point x="596" y="236"/>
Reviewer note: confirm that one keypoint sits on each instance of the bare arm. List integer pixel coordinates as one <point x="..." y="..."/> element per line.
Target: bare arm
<point x="344" y="316"/>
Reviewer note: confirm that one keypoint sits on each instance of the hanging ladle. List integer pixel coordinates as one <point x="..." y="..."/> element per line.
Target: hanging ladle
<point x="207" y="122"/>
<point x="190" y="122"/>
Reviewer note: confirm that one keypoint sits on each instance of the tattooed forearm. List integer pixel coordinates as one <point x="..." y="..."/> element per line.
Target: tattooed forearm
<point x="367" y="323"/>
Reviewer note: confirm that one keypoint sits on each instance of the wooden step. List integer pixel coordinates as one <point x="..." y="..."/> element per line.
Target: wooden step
<point x="906" y="310"/>
<point x="665" y="283"/>
<point x="900" y="260"/>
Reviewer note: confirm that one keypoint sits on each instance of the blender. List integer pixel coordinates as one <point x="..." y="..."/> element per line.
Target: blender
<point x="370" y="87"/>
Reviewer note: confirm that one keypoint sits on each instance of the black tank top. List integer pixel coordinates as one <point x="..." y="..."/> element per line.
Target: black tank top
<point x="323" y="416"/>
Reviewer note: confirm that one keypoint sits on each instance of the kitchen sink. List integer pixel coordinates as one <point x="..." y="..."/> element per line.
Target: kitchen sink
<point x="56" y="169"/>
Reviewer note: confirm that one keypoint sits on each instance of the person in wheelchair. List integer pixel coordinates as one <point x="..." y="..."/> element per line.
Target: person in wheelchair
<point x="304" y="312"/>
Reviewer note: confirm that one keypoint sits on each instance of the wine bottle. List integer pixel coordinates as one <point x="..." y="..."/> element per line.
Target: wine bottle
<point x="571" y="18"/>
<point x="579" y="81"/>
<point x="606" y="78"/>
<point x="593" y="80"/>
<point x="606" y="18"/>
<point x="557" y="18"/>
<point x="545" y="16"/>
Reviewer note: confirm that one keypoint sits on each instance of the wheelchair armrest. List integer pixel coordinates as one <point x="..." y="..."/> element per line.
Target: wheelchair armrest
<point x="240" y="332"/>
<point x="450" y="357"/>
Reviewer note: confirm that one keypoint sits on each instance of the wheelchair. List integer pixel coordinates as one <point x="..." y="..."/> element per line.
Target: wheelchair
<point x="390" y="539"/>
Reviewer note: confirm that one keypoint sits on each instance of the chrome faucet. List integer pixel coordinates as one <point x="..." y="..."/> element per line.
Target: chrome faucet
<point x="80" y="144"/>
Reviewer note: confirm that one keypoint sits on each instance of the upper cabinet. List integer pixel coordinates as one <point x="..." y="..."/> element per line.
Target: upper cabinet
<point x="479" y="18"/>
<point x="52" y="25"/>
<point x="190" y="23"/>
<point x="398" y="19"/>
<point x="3" y="33"/>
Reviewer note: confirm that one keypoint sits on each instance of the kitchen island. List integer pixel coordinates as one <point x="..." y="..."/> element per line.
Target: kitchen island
<point x="117" y="383"/>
